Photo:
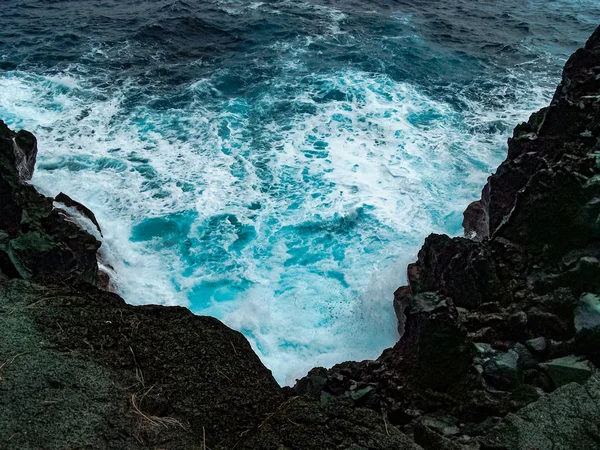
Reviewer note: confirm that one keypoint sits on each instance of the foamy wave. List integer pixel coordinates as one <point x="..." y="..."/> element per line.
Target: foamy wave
<point x="291" y="215"/>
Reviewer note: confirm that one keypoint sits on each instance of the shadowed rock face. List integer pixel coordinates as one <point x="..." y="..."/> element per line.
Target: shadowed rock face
<point x="82" y="209"/>
<point x="500" y="329"/>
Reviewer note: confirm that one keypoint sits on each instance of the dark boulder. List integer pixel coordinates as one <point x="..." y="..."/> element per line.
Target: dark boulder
<point x="568" y="369"/>
<point x="504" y="370"/>
<point x="434" y="342"/>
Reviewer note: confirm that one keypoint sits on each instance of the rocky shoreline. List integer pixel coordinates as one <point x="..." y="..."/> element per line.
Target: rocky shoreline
<point x="501" y="329"/>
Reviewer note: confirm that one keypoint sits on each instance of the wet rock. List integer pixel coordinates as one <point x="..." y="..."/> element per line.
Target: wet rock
<point x="37" y="241"/>
<point x="442" y="257"/>
<point x="20" y="150"/>
<point x="84" y="210"/>
<point x="476" y="221"/>
<point x="402" y="298"/>
<point x="568" y="369"/>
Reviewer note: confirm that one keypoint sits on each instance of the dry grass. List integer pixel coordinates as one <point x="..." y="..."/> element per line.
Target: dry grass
<point x="139" y="375"/>
<point x="385" y="421"/>
<point x="149" y="420"/>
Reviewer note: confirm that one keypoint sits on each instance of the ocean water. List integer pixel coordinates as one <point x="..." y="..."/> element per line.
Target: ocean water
<point x="276" y="164"/>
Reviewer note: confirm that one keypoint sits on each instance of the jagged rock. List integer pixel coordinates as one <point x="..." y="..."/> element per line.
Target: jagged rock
<point x="476" y="221"/>
<point x="533" y="252"/>
<point x="549" y="214"/>
<point x="427" y="302"/>
<point x="313" y="383"/>
<point x="37" y="241"/>
<point x="568" y="369"/>
<point x="163" y="378"/>
<point x="434" y="341"/>
<point x="402" y="298"/>
<point x="442" y="257"/>
<point x="551" y="167"/>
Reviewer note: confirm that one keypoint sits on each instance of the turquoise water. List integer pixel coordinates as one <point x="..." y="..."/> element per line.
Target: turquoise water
<point x="277" y="164"/>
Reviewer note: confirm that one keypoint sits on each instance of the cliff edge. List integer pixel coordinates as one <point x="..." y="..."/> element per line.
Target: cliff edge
<point x="501" y="328"/>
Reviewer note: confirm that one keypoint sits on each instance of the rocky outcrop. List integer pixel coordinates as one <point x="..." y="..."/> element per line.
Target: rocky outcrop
<point x="20" y="150"/>
<point x="82" y="209"/>
<point x="37" y="240"/>
<point x="501" y="328"/>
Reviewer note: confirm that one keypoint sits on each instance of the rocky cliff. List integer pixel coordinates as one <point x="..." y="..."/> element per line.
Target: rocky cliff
<point x="501" y="328"/>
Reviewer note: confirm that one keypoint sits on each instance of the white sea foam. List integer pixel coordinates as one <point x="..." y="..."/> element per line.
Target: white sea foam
<point x="346" y="191"/>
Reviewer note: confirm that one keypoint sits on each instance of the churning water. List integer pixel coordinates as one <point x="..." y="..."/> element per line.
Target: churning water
<point x="277" y="164"/>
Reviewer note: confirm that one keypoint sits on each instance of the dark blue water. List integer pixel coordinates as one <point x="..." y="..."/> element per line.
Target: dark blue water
<point x="277" y="164"/>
